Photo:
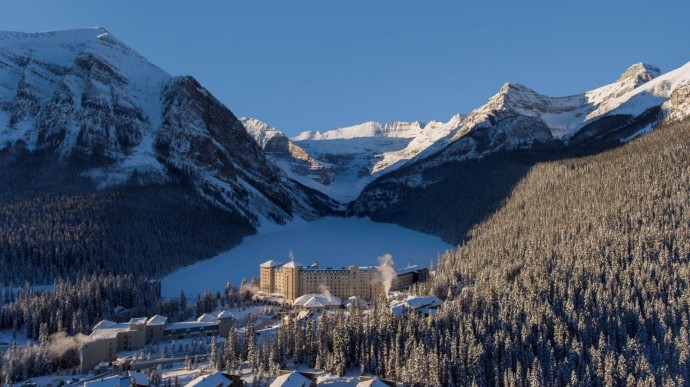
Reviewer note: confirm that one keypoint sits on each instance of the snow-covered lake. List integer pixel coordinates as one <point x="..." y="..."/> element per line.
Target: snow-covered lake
<point x="333" y="242"/>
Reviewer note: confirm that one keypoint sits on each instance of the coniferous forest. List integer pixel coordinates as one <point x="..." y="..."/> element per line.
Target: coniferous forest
<point x="56" y="224"/>
<point x="582" y="277"/>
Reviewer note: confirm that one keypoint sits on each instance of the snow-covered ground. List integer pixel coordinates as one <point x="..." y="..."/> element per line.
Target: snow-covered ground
<point x="333" y="242"/>
<point x="7" y="338"/>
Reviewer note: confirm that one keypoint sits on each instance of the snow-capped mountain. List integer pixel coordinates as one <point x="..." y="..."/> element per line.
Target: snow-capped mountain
<point x="355" y="155"/>
<point x="563" y="116"/>
<point x="84" y="95"/>
<point x="519" y="118"/>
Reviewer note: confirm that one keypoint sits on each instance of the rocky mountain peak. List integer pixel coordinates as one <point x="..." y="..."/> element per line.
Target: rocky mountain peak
<point x="294" y="160"/>
<point x="513" y="87"/>
<point x="513" y="94"/>
<point x="511" y="99"/>
<point x="640" y="73"/>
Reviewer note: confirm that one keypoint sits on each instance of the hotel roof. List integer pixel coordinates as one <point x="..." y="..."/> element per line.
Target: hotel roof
<point x="408" y="269"/>
<point x="291" y="379"/>
<point x="107" y="329"/>
<point x="316" y="301"/>
<point x="157" y="320"/>
<point x="292" y="264"/>
<point x="216" y="379"/>
<point x="189" y="325"/>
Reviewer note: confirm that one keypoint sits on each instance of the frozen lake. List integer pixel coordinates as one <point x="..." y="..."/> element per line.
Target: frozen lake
<point x="333" y="242"/>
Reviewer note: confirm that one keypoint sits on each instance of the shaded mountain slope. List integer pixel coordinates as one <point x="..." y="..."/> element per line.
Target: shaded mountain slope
<point x="55" y="223"/>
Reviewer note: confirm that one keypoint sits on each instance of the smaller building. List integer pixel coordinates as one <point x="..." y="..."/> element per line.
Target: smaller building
<point x="357" y="302"/>
<point x="421" y="304"/>
<point x="154" y="328"/>
<point x="408" y="276"/>
<point x="317" y="302"/>
<point x="216" y="379"/>
<point x="206" y="325"/>
<point x="132" y="378"/>
<point x="108" y="338"/>
<point x="294" y="379"/>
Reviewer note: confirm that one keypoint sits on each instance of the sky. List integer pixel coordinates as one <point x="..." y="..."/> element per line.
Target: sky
<point x="319" y="65"/>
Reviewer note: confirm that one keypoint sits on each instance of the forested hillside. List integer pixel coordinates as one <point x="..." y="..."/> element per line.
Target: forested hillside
<point x="55" y="224"/>
<point x="464" y="178"/>
<point x="581" y="277"/>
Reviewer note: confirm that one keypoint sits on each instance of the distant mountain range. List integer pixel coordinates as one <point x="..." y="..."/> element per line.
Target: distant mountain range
<point x="85" y="103"/>
<point x="343" y="161"/>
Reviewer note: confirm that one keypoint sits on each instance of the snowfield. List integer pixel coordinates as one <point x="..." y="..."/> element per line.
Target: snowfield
<point x="333" y="242"/>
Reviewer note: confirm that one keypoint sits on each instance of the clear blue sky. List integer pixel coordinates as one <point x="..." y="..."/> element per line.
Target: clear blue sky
<point x="302" y="65"/>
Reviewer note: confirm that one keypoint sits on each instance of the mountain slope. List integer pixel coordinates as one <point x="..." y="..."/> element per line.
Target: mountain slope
<point x="465" y="176"/>
<point x="286" y="154"/>
<point x="115" y="124"/>
<point x="85" y="95"/>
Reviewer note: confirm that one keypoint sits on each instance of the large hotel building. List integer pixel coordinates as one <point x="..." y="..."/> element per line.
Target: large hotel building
<point x="292" y="280"/>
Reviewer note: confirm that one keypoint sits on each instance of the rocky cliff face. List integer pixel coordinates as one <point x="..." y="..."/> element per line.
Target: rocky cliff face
<point x="87" y="97"/>
<point x="285" y="153"/>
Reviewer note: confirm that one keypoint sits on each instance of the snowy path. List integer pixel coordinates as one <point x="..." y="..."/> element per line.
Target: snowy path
<point x="333" y="242"/>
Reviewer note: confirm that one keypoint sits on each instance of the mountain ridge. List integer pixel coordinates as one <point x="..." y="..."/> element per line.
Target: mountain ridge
<point x="498" y="142"/>
<point x="85" y="94"/>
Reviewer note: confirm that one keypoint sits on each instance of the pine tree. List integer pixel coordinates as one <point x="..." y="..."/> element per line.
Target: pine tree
<point x="213" y="359"/>
<point x="231" y="350"/>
